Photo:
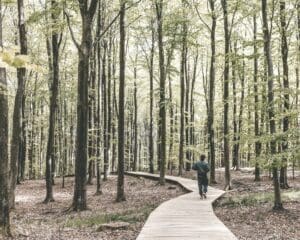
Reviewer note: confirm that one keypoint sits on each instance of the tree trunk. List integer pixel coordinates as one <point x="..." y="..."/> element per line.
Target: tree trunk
<point x="235" y="155"/>
<point x="182" y="100"/>
<point x="162" y="99"/>
<point x="105" y="109"/>
<point x="4" y="162"/>
<point x="256" y="102"/>
<point x="271" y="112"/>
<point x="17" y="115"/>
<point x="84" y="51"/>
<point x="151" y="142"/>
<point x="135" y="149"/>
<point x="226" y="98"/>
<point x="53" y="108"/>
<point x="286" y="119"/>
<point x="121" y="122"/>
<point x="212" y="76"/>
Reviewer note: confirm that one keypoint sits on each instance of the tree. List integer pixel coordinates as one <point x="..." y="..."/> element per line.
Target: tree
<point x="271" y="111"/>
<point x="87" y="12"/>
<point x="226" y="97"/>
<point x="256" y="100"/>
<point x="286" y="119"/>
<point x="53" y="103"/>
<point x="182" y="96"/>
<point x="4" y="166"/>
<point x="212" y="73"/>
<point x="120" y="189"/>
<point x="17" y="115"/>
<point x="151" y="69"/>
<point x="4" y="183"/>
<point x="162" y="99"/>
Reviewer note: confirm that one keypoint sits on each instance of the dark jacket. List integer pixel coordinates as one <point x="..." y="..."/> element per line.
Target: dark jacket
<point x="202" y="168"/>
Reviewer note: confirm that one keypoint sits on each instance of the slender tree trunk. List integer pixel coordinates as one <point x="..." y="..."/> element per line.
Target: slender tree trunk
<point x="92" y="113"/>
<point x="256" y="102"/>
<point x="135" y="150"/>
<point x="31" y="150"/>
<point x="192" y="107"/>
<point x="17" y="114"/>
<point x="210" y="127"/>
<point x="23" y="144"/>
<point x="286" y="119"/>
<point x="162" y="99"/>
<point x="271" y="112"/>
<point x="121" y="122"/>
<point x="50" y="157"/>
<point x="226" y="98"/>
<point x="151" y="66"/>
<point x="182" y="100"/>
<point x="240" y="119"/>
<point x="105" y="109"/>
<point x="235" y="155"/>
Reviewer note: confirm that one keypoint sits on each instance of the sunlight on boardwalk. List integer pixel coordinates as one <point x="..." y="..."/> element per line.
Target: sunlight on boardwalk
<point x="186" y="217"/>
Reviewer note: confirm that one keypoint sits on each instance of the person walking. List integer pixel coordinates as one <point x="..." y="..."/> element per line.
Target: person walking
<point x="202" y="169"/>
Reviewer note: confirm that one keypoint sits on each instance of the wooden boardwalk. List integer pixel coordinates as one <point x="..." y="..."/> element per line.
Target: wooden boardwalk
<point x="186" y="217"/>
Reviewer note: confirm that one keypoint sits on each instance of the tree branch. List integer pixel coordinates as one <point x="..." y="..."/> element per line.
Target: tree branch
<point x="71" y="31"/>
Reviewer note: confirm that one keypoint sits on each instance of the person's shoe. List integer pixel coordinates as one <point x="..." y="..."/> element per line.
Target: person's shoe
<point x="201" y="196"/>
<point x="204" y="194"/>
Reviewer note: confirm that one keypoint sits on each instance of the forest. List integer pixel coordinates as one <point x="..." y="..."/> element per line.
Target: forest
<point x="95" y="91"/>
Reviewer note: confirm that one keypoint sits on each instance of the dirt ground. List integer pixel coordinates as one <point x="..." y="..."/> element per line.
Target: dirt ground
<point x="34" y="220"/>
<point x="247" y="209"/>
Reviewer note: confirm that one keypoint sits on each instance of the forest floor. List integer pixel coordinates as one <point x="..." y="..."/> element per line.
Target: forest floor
<point x="34" y="220"/>
<point x="247" y="209"/>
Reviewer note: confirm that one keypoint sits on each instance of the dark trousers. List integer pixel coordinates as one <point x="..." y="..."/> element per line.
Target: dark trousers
<point x="202" y="184"/>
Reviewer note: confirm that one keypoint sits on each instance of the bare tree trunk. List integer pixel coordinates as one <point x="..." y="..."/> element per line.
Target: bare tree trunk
<point x="286" y="119"/>
<point x="50" y="157"/>
<point x="210" y="127"/>
<point x="271" y="112"/>
<point x="256" y="102"/>
<point x="4" y="161"/>
<point x="235" y="155"/>
<point x="226" y="98"/>
<point x="182" y="100"/>
<point x="151" y="63"/>
<point x="84" y="50"/>
<point x="162" y="99"/>
<point x="135" y="123"/>
<point x="17" y="115"/>
<point x="120" y="188"/>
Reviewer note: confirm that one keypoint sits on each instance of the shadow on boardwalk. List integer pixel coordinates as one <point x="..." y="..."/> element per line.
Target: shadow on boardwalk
<point x="185" y="217"/>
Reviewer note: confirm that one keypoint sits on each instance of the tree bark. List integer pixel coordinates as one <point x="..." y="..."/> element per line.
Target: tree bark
<point x="17" y="114"/>
<point x="226" y="98"/>
<point x="212" y="76"/>
<point x="135" y="149"/>
<point x="50" y="158"/>
<point x="120" y="188"/>
<point x="256" y="102"/>
<point x="286" y="119"/>
<point x="162" y="98"/>
<point x="182" y="100"/>
<point x="151" y="66"/>
<point x="84" y="51"/>
<point x="4" y="161"/>
<point x="271" y="112"/>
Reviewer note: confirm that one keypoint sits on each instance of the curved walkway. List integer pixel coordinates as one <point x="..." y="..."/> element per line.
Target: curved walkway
<point x="185" y="217"/>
